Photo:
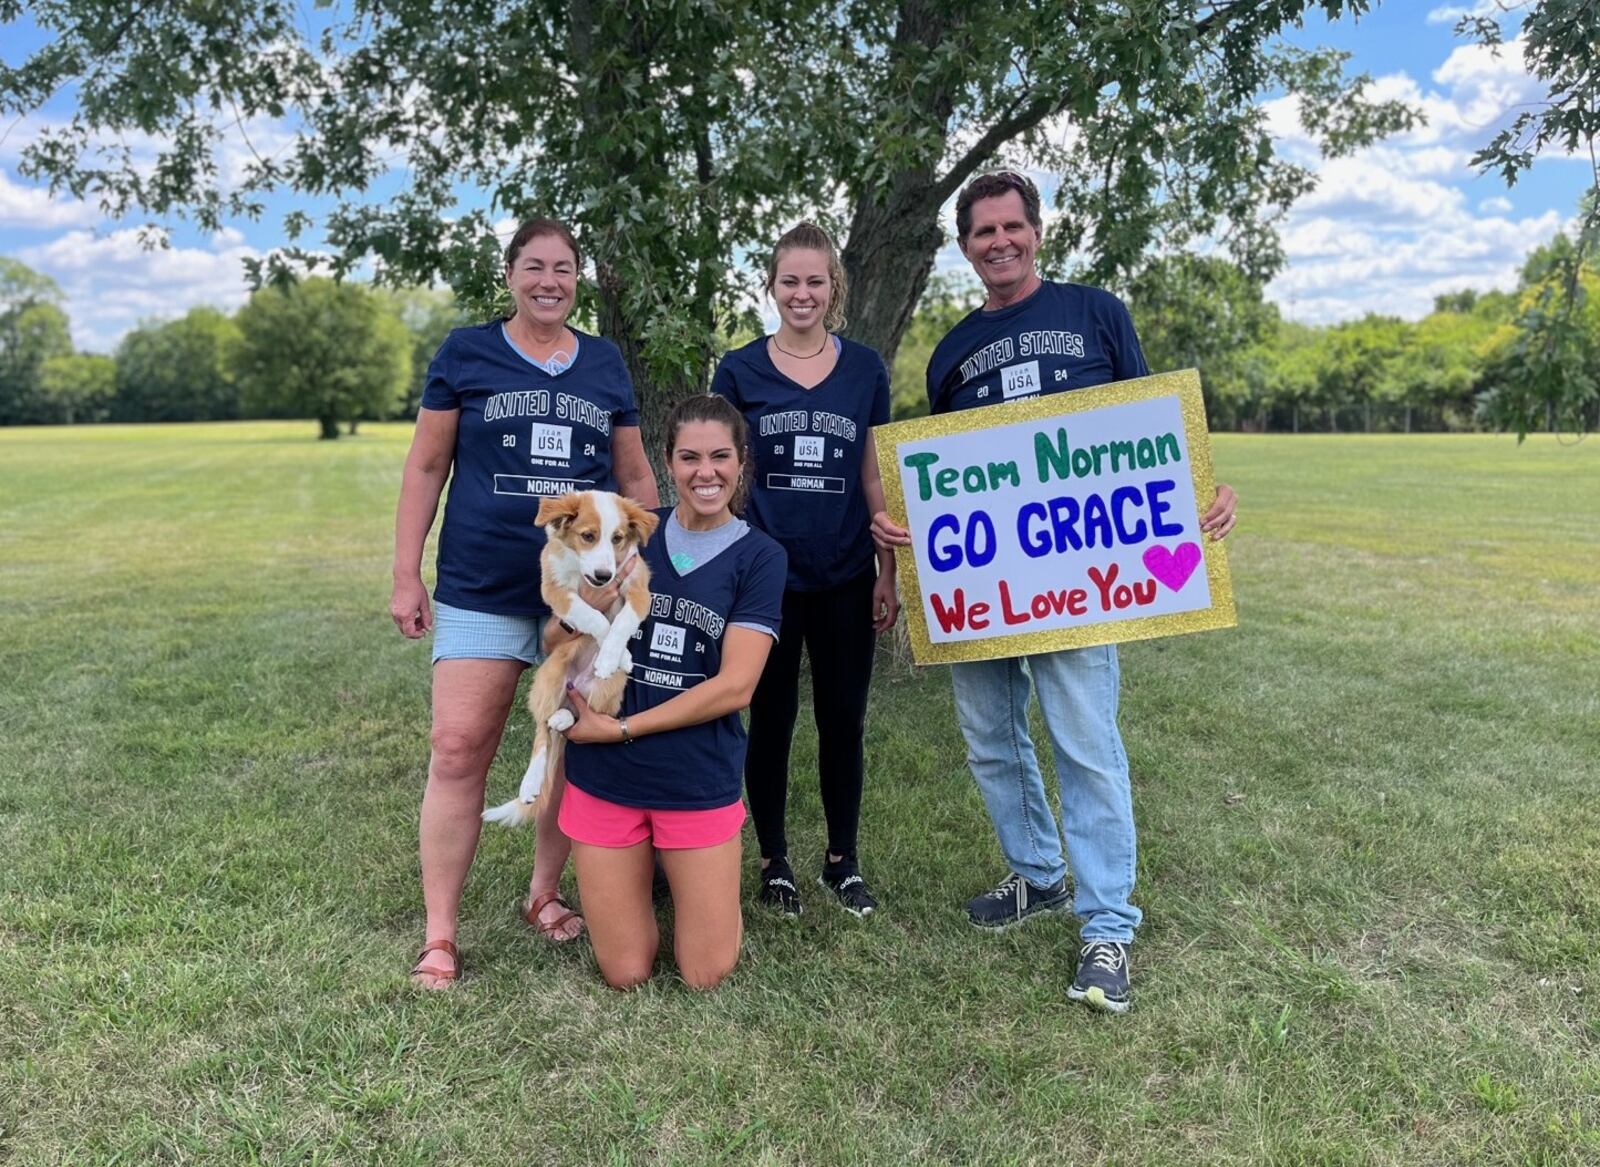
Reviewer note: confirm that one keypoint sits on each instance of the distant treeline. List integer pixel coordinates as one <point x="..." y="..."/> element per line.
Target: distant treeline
<point x="1522" y="360"/>
<point x="339" y="353"/>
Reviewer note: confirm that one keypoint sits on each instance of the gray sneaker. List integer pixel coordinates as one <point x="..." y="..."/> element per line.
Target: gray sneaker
<point x="1102" y="980"/>
<point x="1014" y="901"/>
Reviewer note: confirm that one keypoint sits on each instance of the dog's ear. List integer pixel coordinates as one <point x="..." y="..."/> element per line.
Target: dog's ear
<point x="558" y="511"/>
<point x="641" y="523"/>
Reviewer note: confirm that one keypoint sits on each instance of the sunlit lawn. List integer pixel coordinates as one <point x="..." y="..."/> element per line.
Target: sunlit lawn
<point x="1370" y="867"/>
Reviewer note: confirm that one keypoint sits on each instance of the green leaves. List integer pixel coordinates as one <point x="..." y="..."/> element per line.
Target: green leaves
<point x="681" y="136"/>
<point x="178" y="371"/>
<point x="1548" y="371"/>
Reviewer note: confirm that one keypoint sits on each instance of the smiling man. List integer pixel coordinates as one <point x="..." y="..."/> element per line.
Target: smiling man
<point x="1035" y="336"/>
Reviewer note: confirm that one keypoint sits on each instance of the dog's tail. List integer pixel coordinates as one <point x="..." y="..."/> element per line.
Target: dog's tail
<point x="521" y="809"/>
<point x="515" y="813"/>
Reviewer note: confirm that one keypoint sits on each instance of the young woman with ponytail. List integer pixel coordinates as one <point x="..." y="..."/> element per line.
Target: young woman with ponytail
<point x="811" y="398"/>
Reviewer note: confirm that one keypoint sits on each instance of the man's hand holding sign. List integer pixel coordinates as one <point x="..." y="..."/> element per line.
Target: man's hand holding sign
<point x="1059" y="521"/>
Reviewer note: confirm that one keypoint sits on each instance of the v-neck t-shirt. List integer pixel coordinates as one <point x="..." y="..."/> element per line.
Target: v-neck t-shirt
<point x="807" y="446"/>
<point x="680" y="645"/>
<point x="689" y="550"/>
<point x="523" y="435"/>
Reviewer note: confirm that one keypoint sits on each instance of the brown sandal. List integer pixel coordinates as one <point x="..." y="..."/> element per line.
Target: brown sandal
<point x="551" y="931"/>
<point x="446" y="947"/>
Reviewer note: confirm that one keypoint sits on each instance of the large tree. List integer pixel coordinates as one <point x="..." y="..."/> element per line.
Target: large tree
<point x="1542" y="368"/>
<point x="316" y="348"/>
<point x="680" y="137"/>
<point x="179" y="370"/>
<point x="33" y="329"/>
<point x="1148" y="115"/>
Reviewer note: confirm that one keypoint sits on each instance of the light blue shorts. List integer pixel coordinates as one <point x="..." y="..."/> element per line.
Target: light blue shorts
<point x="461" y="634"/>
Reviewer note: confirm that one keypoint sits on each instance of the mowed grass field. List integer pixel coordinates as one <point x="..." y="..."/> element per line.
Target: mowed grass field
<point x="1370" y="864"/>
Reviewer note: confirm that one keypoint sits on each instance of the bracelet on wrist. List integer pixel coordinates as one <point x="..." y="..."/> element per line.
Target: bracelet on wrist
<point x="622" y="724"/>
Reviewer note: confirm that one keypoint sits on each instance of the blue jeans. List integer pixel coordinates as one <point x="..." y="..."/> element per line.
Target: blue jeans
<point x="1078" y="698"/>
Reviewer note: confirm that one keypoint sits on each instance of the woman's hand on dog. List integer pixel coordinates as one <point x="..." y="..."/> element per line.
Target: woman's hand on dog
<point x="600" y="599"/>
<point x="408" y="605"/>
<point x="590" y="726"/>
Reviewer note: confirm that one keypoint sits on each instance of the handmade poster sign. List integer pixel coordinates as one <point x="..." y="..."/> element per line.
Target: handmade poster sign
<point x="1057" y="522"/>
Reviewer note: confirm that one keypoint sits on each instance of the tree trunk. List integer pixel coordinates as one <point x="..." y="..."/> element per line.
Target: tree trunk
<point x="655" y="395"/>
<point x="352" y="426"/>
<point x="1366" y="415"/>
<point x="894" y="228"/>
<point x="330" y="427"/>
<point x="1408" y="417"/>
<point x="1296" y="417"/>
<point x="887" y="262"/>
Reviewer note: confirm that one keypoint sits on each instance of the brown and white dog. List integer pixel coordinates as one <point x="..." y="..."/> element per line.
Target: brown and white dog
<point x="594" y="537"/>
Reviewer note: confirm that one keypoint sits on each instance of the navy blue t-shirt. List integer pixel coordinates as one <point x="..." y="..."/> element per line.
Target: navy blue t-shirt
<point x="698" y="767"/>
<point x="807" y="446"/>
<point x="1064" y="336"/>
<point x="523" y="436"/>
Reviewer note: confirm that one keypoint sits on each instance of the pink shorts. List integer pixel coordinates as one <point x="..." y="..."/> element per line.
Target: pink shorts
<point x="587" y="819"/>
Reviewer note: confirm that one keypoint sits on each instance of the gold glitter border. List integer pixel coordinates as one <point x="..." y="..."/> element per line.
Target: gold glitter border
<point x="1185" y="385"/>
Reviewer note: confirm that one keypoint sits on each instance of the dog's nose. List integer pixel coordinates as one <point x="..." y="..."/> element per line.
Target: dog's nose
<point x="601" y="577"/>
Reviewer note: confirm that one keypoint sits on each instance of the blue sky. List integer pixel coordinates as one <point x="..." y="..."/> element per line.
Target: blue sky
<point x="1385" y="231"/>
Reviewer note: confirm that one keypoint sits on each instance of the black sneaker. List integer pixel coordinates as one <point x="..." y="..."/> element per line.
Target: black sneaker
<point x="1014" y="901"/>
<point x="1102" y="980"/>
<point x="778" y="889"/>
<point x="845" y="882"/>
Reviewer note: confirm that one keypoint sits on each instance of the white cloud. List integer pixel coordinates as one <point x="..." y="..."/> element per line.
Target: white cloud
<point x="1450" y="13"/>
<point x="112" y="281"/>
<point x="1364" y="188"/>
<point x="1423" y="161"/>
<point x="1398" y="223"/>
<point x="1340" y="268"/>
<point x="33" y="208"/>
<point x="1485" y="88"/>
<point x="1479" y="92"/>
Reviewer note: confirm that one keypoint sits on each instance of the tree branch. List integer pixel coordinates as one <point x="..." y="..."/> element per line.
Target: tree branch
<point x="1039" y="109"/>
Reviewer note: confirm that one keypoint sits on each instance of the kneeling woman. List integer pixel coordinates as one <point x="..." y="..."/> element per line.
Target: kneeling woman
<point x="663" y="777"/>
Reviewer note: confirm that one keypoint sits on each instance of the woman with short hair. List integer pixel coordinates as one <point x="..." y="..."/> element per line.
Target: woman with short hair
<point x="513" y="411"/>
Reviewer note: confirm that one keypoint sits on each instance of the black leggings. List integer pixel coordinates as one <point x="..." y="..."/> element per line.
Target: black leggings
<point x="836" y="628"/>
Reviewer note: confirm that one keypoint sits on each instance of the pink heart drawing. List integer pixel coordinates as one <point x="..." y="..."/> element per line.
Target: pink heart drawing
<point x="1173" y="568"/>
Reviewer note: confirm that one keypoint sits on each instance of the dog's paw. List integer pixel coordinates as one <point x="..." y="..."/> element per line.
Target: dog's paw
<point x="562" y="720"/>
<point x="627" y="663"/>
<point x="607" y="662"/>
